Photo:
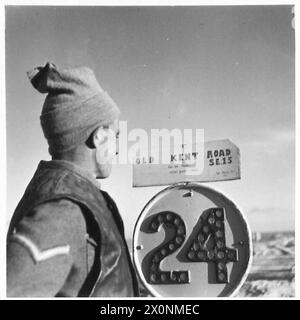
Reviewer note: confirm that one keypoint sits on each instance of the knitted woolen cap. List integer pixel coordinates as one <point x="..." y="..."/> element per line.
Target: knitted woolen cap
<point x="75" y="105"/>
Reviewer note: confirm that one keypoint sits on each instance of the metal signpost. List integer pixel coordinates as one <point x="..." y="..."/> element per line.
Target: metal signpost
<point x="191" y="240"/>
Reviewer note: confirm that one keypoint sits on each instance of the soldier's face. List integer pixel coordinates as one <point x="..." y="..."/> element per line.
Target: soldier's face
<point x="106" y="149"/>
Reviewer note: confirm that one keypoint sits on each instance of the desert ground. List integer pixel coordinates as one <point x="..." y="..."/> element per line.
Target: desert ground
<point x="272" y="272"/>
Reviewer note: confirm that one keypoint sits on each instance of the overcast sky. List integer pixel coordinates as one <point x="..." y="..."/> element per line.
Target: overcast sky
<point x="227" y="70"/>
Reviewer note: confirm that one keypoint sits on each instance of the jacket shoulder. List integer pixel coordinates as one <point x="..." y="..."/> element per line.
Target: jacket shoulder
<point x="52" y="223"/>
<point x="42" y="248"/>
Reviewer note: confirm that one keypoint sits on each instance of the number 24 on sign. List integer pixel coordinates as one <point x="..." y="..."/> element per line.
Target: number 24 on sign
<point x="209" y="230"/>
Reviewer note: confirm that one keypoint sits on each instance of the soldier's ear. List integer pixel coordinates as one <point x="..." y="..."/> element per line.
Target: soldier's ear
<point x="99" y="137"/>
<point x="95" y="137"/>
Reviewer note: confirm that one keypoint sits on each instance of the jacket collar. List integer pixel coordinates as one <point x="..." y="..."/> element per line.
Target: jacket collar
<point x="70" y="166"/>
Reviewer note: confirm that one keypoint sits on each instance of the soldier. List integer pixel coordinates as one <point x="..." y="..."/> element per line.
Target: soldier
<point x="66" y="237"/>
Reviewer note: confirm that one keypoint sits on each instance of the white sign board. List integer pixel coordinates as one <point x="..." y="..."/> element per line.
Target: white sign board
<point x="219" y="161"/>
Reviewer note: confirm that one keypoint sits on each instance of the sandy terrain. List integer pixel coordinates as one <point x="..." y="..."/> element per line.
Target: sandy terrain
<point x="274" y="257"/>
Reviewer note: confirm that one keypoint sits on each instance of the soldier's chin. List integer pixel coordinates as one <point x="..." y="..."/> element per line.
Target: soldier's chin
<point x="104" y="171"/>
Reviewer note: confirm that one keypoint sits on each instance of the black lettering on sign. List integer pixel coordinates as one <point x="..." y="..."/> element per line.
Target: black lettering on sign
<point x="194" y="154"/>
<point x="173" y="157"/>
<point x="209" y="154"/>
<point x="175" y="234"/>
<point x="209" y="244"/>
<point x="206" y="243"/>
<point x="219" y="157"/>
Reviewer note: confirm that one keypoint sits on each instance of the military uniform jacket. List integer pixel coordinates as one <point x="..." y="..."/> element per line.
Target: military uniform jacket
<point x="66" y="238"/>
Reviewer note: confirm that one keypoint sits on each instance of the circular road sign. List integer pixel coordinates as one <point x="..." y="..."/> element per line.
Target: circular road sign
<point x="191" y="241"/>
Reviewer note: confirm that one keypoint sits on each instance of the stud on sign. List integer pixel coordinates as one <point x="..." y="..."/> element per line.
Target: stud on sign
<point x="191" y="246"/>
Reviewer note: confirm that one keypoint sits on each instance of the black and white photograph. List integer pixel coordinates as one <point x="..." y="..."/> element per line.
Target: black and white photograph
<point x="150" y="151"/>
